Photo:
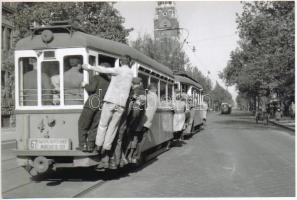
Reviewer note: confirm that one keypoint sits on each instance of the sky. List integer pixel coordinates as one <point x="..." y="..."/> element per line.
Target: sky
<point x="210" y="26"/>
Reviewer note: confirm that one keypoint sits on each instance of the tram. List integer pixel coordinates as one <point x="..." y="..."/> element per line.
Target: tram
<point x="46" y="119"/>
<point x="196" y="113"/>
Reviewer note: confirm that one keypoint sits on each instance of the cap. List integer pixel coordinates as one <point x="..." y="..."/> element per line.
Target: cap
<point x="136" y="80"/>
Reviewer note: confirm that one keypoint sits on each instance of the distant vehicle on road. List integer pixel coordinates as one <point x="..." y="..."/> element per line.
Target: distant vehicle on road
<point x="226" y="108"/>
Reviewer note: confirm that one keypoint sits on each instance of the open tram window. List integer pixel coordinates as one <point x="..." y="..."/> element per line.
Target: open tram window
<point x="162" y="91"/>
<point x="28" y="81"/>
<point x="184" y="88"/>
<point x="156" y="82"/>
<point x="144" y="79"/>
<point x="73" y="76"/>
<point x="169" y="91"/>
<point x="50" y="83"/>
<point x="106" y="61"/>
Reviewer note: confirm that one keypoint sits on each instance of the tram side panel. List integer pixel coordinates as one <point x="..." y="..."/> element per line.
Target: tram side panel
<point x="161" y="129"/>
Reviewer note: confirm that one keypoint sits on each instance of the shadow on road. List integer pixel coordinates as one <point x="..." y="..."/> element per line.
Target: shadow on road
<point x="88" y="174"/>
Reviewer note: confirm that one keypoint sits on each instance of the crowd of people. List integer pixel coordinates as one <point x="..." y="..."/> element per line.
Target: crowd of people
<point x="117" y="115"/>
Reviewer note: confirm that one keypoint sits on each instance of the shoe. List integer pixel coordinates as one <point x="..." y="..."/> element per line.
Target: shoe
<point x="84" y="148"/>
<point x="98" y="148"/>
<point x="100" y="166"/>
<point x="90" y="147"/>
<point x="112" y="164"/>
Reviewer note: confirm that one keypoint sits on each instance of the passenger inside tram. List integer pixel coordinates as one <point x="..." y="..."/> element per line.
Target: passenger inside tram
<point x="28" y="86"/>
<point x="73" y="76"/>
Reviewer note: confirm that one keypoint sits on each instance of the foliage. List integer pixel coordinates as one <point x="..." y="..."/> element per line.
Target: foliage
<point x="203" y="80"/>
<point x="166" y="51"/>
<point x="98" y="18"/>
<point x="169" y="52"/>
<point x="265" y="61"/>
<point x="221" y="95"/>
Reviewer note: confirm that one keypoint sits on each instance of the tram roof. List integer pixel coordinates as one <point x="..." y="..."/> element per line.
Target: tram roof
<point x="187" y="80"/>
<point x="80" y="39"/>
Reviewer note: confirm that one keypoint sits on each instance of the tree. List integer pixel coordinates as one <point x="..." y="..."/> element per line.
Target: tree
<point x="221" y="95"/>
<point x="169" y="52"/>
<point x="97" y="18"/>
<point x="166" y="51"/>
<point x="264" y="63"/>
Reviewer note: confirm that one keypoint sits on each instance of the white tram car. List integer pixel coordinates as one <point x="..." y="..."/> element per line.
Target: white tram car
<point x="46" y="121"/>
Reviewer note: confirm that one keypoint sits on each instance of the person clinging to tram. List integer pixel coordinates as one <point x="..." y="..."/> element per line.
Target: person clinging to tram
<point x="130" y="118"/>
<point x="90" y="115"/>
<point x="152" y="102"/>
<point x="179" y="116"/>
<point x="135" y="115"/>
<point x="114" y="102"/>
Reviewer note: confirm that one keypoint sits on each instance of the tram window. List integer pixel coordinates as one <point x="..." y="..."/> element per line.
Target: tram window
<point x="106" y="59"/>
<point x="92" y="61"/>
<point x="73" y="76"/>
<point x="169" y="91"/>
<point x="28" y="81"/>
<point x="144" y="80"/>
<point x="162" y="91"/>
<point x="155" y="81"/>
<point x="184" y="88"/>
<point x="50" y="83"/>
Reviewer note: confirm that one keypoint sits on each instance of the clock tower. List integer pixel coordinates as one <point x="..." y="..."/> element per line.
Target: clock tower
<point x="165" y="21"/>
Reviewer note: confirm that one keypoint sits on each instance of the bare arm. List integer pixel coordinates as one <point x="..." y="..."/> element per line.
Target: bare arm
<point x="101" y="69"/>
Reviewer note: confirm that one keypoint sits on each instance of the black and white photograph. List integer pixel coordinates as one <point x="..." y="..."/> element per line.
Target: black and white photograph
<point x="147" y="99"/>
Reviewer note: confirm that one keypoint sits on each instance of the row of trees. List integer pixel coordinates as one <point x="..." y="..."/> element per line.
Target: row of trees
<point x="264" y="63"/>
<point x="169" y="52"/>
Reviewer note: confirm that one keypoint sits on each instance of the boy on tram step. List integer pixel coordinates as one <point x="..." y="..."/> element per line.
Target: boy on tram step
<point x="90" y="116"/>
<point x="114" y="102"/>
<point x="152" y="102"/>
<point x="134" y="110"/>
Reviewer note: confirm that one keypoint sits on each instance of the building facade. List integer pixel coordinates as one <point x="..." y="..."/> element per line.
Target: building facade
<point x="165" y="22"/>
<point x="7" y="64"/>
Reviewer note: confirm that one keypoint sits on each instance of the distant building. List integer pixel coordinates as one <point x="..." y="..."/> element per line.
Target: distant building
<point x="7" y="66"/>
<point x="165" y="22"/>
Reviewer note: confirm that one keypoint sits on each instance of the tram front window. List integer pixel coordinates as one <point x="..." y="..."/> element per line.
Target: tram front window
<point x="50" y="83"/>
<point x="73" y="76"/>
<point x="28" y="81"/>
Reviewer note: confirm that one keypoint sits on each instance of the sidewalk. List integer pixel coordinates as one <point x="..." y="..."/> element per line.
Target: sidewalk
<point x="8" y="134"/>
<point x="287" y="123"/>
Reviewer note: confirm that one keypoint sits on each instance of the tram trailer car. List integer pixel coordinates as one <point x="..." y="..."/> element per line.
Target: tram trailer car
<point x="47" y="130"/>
<point x="196" y="113"/>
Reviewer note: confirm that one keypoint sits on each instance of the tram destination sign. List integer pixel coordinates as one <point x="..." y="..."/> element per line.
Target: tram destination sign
<point x="50" y="144"/>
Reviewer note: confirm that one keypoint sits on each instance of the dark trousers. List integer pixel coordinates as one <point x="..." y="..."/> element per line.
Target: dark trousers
<point x="87" y="125"/>
<point x="140" y="142"/>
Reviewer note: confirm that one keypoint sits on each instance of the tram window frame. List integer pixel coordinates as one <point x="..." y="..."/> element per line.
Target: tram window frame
<point x="21" y="73"/>
<point x="55" y="82"/>
<point x="81" y="93"/>
<point x="107" y="58"/>
<point x="144" y="76"/>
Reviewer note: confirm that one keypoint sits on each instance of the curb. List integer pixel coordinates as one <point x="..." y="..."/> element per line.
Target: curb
<point x="283" y="126"/>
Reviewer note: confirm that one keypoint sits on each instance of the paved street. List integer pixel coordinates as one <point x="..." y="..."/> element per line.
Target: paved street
<point x="232" y="156"/>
